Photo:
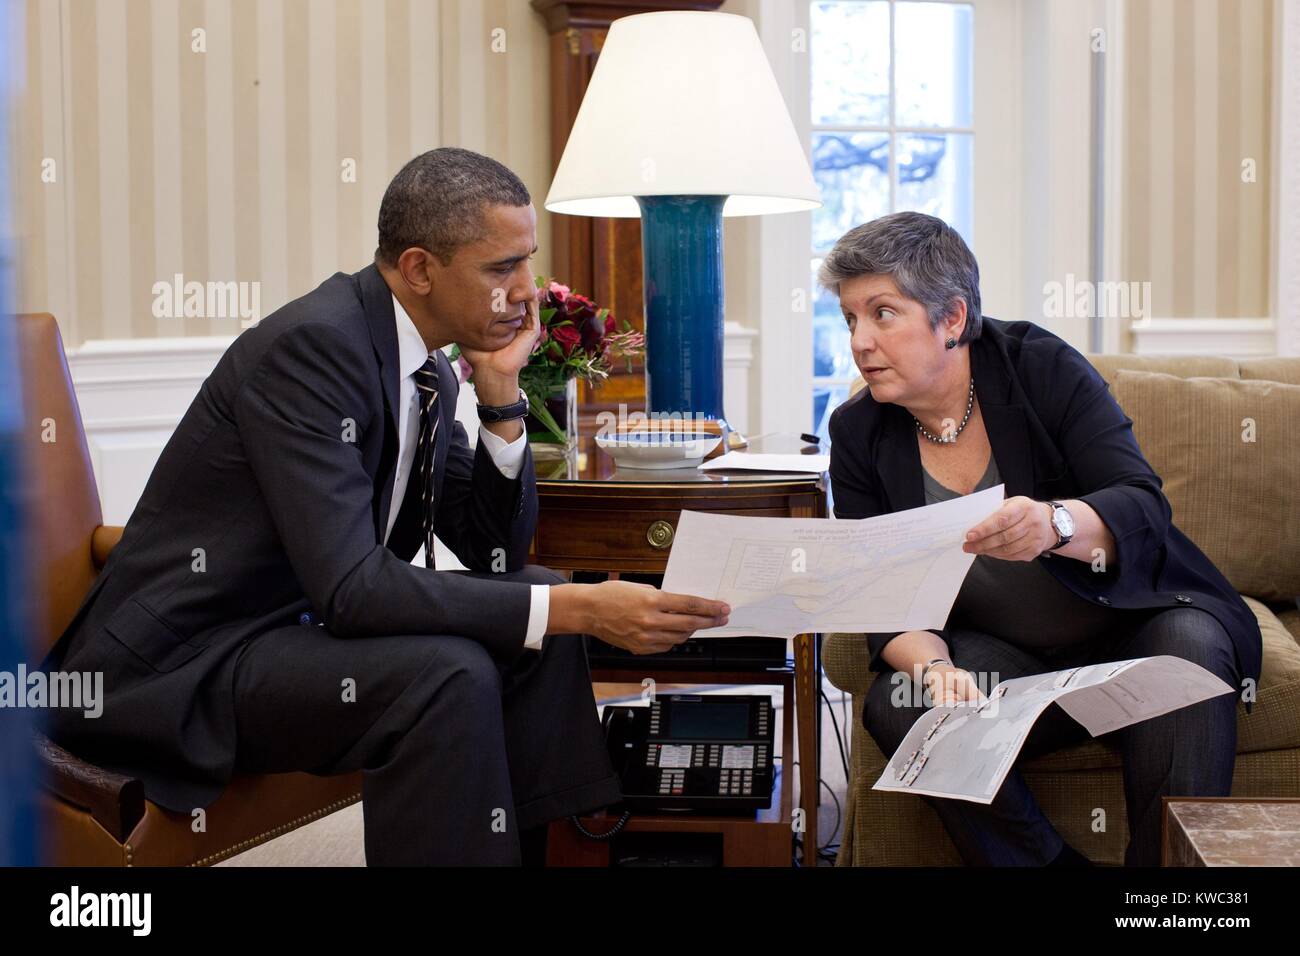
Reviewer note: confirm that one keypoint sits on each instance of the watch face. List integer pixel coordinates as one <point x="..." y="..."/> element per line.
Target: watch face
<point x="1063" y="522"/>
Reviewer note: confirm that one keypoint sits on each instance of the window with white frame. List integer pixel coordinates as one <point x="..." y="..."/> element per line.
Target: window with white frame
<point x="893" y="128"/>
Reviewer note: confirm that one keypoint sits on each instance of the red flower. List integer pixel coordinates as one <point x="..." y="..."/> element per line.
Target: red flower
<point x="557" y="291"/>
<point x="568" y="337"/>
<point x="579" y="307"/>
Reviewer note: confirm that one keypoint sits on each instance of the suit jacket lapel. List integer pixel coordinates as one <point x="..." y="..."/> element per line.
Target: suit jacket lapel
<point x="1004" y="419"/>
<point x="377" y="302"/>
<point x="898" y="460"/>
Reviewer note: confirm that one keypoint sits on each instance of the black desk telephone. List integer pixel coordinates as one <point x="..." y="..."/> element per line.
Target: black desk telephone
<point x="687" y="752"/>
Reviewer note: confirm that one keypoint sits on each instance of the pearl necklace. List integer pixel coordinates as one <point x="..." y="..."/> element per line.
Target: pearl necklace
<point x="970" y="403"/>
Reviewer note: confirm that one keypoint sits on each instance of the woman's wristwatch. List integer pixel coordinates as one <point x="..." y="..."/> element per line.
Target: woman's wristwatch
<point x="1062" y="524"/>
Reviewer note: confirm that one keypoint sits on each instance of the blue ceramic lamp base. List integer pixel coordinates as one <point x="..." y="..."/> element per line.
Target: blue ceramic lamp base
<point x="681" y="243"/>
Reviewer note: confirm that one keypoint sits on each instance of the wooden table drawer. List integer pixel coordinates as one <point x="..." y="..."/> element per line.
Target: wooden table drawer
<point x="628" y="540"/>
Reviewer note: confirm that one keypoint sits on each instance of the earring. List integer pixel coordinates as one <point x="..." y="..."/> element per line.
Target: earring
<point x="951" y="343"/>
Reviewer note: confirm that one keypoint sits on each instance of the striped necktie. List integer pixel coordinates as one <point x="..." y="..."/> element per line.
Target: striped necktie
<point x="426" y="390"/>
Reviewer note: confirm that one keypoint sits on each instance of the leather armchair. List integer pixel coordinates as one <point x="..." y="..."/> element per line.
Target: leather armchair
<point x="90" y="816"/>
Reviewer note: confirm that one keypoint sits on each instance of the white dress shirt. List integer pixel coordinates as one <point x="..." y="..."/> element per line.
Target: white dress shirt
<point x="507" y="456"/>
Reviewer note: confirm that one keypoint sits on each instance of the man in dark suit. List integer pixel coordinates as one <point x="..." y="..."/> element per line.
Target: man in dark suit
<point x="262" y="613"/>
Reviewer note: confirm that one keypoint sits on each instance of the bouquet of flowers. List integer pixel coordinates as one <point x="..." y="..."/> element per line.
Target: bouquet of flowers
<point x="578" y="340"/>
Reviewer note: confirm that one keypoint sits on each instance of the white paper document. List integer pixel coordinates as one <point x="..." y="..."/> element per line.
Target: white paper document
<point x="965" y="752"/>
<point x="788" y="576"/>
<point x="745" y="461"/>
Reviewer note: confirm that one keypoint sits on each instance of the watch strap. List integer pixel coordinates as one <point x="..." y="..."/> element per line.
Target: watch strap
<point x="504" y="413"/>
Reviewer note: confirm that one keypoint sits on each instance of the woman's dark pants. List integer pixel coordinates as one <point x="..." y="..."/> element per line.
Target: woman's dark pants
<point x="1188" y="752"/>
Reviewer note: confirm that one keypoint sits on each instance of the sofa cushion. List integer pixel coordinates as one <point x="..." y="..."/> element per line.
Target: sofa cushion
<point x="1224" y="449"/>
<point x="1278" y="368"/>
<point x="1290" y="618"/>
<point x="1278" y="699"/>
<point x="1183" y="366"/>
<point x="847" y="661"/>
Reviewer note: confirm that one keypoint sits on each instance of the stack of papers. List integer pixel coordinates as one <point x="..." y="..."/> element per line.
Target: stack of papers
<point x="745" y="461"/>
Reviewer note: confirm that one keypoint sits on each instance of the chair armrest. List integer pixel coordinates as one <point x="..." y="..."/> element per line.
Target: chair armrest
<point x="102" y="541"/>
<point x="115" y="801"/>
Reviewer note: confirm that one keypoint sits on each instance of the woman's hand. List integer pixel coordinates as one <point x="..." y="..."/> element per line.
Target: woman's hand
<point x="948" y="686"/>
<point x="1020" y="530"/>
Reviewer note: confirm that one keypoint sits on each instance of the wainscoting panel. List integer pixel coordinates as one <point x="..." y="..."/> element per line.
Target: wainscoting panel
<point x="133" y="393"/>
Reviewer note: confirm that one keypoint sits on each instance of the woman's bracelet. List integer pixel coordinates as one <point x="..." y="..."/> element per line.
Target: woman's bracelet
<point x="928" y="664"/>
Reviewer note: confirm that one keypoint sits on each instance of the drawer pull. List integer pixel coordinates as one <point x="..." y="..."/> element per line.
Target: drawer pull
<point x="660" y="535"/>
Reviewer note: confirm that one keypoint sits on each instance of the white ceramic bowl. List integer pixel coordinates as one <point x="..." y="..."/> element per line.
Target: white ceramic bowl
<point x="661" y="450"/>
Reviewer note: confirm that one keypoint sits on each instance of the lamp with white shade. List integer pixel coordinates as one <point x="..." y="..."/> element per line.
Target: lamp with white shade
<point x="683" y="124"/>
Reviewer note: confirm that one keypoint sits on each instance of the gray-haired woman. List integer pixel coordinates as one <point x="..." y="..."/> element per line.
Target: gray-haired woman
<point x="957" y="402"/>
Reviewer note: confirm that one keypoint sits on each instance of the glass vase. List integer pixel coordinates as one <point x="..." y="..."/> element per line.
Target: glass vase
<point x="554" y="434"/>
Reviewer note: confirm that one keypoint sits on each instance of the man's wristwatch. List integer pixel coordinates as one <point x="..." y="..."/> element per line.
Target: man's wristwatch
<point x="1062" y="524"/>
<point x="491" y="414"/>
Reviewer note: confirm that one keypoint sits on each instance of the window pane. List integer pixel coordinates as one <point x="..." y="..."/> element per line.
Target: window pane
<point x="933" y="43"/>
<point x="850" y="62"/>
<point x="827" y="396"/>
<point x="852" y="171"/>
<point x="934" y="176"/>
<point x="832" y="356"/>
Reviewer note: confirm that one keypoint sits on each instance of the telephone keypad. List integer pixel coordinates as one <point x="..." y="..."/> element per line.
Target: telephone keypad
<point x="736" y="783"/>
<point x="672" y="782"/>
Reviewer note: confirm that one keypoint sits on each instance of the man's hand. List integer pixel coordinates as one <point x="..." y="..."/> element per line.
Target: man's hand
<point x="496" y="374"/>
<point x="1020" y="530"/>
<point x="636" y="617"/>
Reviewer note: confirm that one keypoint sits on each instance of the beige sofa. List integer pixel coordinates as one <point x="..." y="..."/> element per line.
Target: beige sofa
<point x="1228" y="422"/>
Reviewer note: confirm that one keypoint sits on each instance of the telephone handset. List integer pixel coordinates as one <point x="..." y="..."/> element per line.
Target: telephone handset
<point x="693" y="752"/>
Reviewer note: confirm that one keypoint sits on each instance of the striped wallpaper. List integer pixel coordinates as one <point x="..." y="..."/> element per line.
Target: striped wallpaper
<point x="1198" y="78"/>
<point x="229" y="164"/>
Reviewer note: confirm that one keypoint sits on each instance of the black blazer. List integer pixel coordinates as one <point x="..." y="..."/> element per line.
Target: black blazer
<point x="282" y="473"/>
<point x="1056" y="432"/>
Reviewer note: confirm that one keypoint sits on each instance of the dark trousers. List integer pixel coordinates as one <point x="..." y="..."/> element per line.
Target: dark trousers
<point x="1187" y="752"/>
<point x="459" y="756"/>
